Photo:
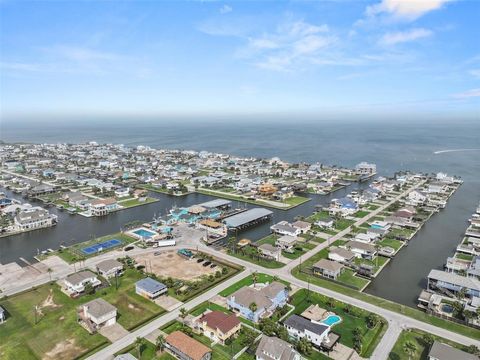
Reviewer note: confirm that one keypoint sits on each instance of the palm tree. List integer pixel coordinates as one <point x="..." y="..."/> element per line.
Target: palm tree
<point x="253" y="307"/>
<point x="409" y="348"/>
<point x="183" y="315"/>
<point x="49" y="270"/>
<point x="254" y="278"/>
<point x="160" y="342"/>
<point x="139" y="342"/>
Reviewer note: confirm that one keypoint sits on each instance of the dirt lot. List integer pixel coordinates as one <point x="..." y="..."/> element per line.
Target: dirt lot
<point x="169" y="263"/>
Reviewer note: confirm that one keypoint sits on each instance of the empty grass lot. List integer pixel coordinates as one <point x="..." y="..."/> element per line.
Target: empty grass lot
<point x="247" y="281"/>
<point x="57" y="335"/>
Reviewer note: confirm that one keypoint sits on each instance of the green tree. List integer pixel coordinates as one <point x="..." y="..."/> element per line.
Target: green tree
<point x="253" y="307"/>
<point x="428" y="339"/>
<point x="410" y="349"/>
<point x="139" y="343"/>
<point x="183" y="315"/>
<point x="372" y="320"/>
<point x="160" y="342"/>
<point x="304" y="346"/>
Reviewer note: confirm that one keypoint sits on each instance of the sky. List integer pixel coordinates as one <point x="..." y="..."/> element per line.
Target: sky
<point x="376" y="57"/>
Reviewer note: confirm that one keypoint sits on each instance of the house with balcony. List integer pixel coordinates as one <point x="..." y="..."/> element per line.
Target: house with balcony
<point x="75" y="283"/>
<point x="360" y="249"/>
<point x="254" y="304"/>
<point x="218" y="326"/>
<point x="273" y="348"/>
<point x="97" y="314"/>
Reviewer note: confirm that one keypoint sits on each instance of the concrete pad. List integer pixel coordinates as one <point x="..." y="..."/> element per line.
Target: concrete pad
<point x="113" y="332"/>
<point x="152" y="337"/>
<point x="219" y="300"/>
<point x="168" y="303"/>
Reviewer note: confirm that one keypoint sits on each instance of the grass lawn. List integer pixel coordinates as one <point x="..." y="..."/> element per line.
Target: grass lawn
<point x="74" y="253"/>
<point x="296" y="200"/>
<point x="415" y="336"/>
<point x="269" y="239"/>
<point x="377" y="263"/>
<point x="136" y="202"/>
<point x="300" y="249"/>
<point x="249" y="253"/>
<point x="342" y="224"/>
<point x="247" y="281"/>
<point x="372" y="207"/>
<point x="318" y="216"/>
<point x="404" y="233"/>
<point x="461" y="256"/>
<point x="21" y="338"/>
<point x="351" y="319"/>
<point x="57" y="323"/>
<point x="361" y="213"/>
<point x="348" y="278"/>
<point x="389" y="305"/>
<point x="395" y="244"/>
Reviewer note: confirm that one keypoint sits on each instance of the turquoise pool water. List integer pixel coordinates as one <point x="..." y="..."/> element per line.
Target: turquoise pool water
<point x="144" y="233"/>
<point x="332" y="320"/>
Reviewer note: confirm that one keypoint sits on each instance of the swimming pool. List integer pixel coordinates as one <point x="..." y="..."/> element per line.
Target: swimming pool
<point x="101" y="246"/>
<point x="144" y="233"/>
<point x="332" y="320"/>
<point x="447" y="308"/>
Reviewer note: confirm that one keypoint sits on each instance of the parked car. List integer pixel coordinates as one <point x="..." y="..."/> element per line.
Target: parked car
<point x="206" y="263"/>
<point x="213" y="266"/>
<point x="199" y="260"/>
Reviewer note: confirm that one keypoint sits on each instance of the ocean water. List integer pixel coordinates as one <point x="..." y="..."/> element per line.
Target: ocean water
<point x="407" y="145"/>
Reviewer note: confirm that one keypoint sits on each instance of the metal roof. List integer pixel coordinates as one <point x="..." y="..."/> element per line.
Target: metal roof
<point x="246" y="217"/>
<point x="215" y="203"/>
<point x="150" y="285"/>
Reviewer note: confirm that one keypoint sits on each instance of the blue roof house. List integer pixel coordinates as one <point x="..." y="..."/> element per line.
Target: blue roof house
<point x="150" y="288"/>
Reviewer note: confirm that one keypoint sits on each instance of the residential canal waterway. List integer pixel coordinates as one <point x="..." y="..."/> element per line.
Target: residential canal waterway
<point x="405" y="145"/>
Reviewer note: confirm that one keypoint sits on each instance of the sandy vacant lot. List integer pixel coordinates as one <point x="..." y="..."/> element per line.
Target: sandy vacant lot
<point x="170" y="264"/>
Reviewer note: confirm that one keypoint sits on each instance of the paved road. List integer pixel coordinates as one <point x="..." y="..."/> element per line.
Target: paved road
<point x="396" y="321"/>
<point x="115" y="347"/>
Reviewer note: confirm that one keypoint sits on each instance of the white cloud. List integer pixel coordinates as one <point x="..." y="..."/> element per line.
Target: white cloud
<point x="291" y="44"/>
<point x="475" y="73"/>
<point x="225" y="9"/>
<point x="405" y="9"/>
<point x="392" y="38"/>
<point x="472" y="93"/>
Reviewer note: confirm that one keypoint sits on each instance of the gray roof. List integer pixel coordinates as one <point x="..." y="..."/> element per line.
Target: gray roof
<point x="347" y="254"/>
<point x="32" y="214"/>
<point x="359" y="245"/>
<point x="108" y="265"/>
<point x="469" y="283"/>
<point x="442" y="351"/>
<point x="99" y="307"/>
<point x="215" y="203"/>
<point x="269" y="248"/>
<point x="328" y="265"/>
<point x="247" y="216"/>
<point x="302" y="324"/>
<point x="150" y="285"/>
<point x="273" y="348"/>
<point x="79" y="277"/>
<point x="247" y="295"/>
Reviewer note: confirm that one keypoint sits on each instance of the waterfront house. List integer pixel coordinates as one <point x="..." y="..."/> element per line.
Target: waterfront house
<point x="100" y="207"/>
<point x="360" y="249"/>
<point x="286" y="243"/>
<point x="366" y="237"/>
<point x="451" y="283"/>
<point x="122" y="192"/>
<point x="96" y="314"/>
<point x="343" y="206"/>
<point x="382" y="225"/>
<point x="75" y="283"/>
<point x="298" y="327"/>
<point x="325" y="223"/>
<point x="417" y="197"/>
<point x="341" y="255"/>
<point x="273" y="348"/>
<point x="436" y="187"/>
<point x="218" y="326"/>
<point x="269" y="251"/>
<point x="441" y="351"/>
<point x="266" y="300"/>
<point x="33" y="218"/>
<point x="285" y="228"/>
<point x="365" y="168"/>
<point x="109" y="268"/>
<point x="328" y="268"/>
<point x="150" y="288"/>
